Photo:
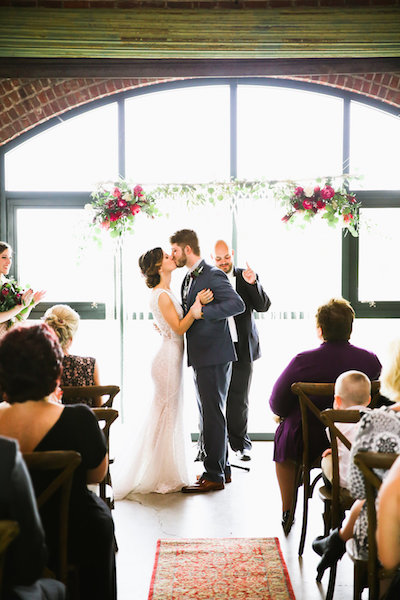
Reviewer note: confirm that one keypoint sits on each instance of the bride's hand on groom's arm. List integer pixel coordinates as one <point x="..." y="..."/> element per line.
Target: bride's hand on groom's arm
<point x="196" y="308"/>
<point x="205" y="296"/>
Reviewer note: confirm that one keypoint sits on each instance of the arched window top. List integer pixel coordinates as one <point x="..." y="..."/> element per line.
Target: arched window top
<point x="208" y="130"/>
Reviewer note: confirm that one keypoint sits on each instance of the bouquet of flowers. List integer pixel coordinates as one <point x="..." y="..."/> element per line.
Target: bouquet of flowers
<point x="11" y="295"/>
<point x="116" y="204"/>
<point x="334" y="204"/>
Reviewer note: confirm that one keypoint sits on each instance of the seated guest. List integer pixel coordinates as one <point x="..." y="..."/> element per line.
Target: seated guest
<point x="30" y="370"/>
<point x="77" y="370"/>
<point x="388" y="519"/>
<point x="390" y="377"/>
<point x="379" y="431"/>
<point x="324" y="364"/>
<point x="352" y="392"/>
<point x="27" y="554"/>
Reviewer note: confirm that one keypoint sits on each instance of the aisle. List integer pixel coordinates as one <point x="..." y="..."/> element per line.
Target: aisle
<point x="248" y="507"/>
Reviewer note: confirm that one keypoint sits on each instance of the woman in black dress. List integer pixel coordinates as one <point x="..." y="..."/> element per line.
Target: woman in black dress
<point x="30" y="370"/>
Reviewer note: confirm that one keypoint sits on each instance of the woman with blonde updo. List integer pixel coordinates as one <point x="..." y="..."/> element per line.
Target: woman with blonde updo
<point x="77" y="370"/>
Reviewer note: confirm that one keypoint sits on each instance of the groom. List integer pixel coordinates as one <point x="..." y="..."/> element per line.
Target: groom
<point x="210" y="352"/>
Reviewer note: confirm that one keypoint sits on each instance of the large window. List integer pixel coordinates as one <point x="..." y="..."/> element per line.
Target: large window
<point x="205" y="131"/>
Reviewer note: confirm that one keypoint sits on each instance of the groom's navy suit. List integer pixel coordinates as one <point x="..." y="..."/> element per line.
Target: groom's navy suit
<point x="210" y="352"/>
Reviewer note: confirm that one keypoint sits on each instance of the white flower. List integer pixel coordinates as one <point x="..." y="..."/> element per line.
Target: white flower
<point x="308" y="191"/>
<point x="127" y="197"/>
<point x="88" y="207"/>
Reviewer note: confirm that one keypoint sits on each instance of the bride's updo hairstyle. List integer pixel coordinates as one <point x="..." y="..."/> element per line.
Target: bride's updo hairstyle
<point x="150" y="263"/>
<point x="64" y="320"/>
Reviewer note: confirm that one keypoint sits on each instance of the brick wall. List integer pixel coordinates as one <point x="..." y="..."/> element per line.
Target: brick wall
<point x="26" y="103"/>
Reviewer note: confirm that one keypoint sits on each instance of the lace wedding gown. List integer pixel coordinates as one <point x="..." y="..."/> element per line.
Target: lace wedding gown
<point x="157" y="461"/>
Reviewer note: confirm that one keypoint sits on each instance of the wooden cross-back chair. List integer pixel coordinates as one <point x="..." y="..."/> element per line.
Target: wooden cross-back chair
<point x="305" y="391"/>
<point x="72" y="393"/>
<point x="106" y="417"/>
<point x="336" y="499"/>
<point x="61" y="464"/>
<point x="8" y="532"/>
<point x="368" y="573"/>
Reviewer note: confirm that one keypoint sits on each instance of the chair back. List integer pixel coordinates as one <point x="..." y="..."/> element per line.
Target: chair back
<point x="106" y="417"/>
<point x="367" y="462"/>
<point x="61" y="466"/>
<point x="340" y="499"/>
<point x="8" y="532"/>
<point x="74" y="393"/>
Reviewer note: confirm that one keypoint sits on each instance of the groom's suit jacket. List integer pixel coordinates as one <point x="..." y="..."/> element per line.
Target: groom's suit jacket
<point x="208" y="340"/>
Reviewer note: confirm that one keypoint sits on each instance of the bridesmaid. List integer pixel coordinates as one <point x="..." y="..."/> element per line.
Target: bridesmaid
<point x="29" y="298"/>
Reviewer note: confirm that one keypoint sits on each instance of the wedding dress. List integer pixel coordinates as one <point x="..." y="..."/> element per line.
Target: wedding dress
<point x="157" y="460"/>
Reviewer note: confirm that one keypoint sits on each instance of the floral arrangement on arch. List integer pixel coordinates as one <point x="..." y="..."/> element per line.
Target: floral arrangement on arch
<point x="116" y="205"/>
<point x="334" y="204"/>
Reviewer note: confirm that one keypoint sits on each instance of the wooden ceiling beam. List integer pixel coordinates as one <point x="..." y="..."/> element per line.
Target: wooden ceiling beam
<point x="190" y="34"/>
<point x="148" y="68"/>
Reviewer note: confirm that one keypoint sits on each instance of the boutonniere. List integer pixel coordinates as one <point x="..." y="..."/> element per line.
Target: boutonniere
<point x="196" y="272"/>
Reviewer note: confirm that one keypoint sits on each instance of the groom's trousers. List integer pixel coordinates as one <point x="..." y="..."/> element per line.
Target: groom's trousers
<point x="212" y="383"/>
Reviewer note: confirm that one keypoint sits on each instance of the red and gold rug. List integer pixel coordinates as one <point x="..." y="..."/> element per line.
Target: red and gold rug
<point x="220" y="569"/>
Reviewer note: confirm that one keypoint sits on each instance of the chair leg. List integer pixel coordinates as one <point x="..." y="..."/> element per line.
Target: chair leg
<point x="331" y="584"/>
<point x="306" y="495"/>
<point x="359" y="579"/>
<point x="327" y="517"/>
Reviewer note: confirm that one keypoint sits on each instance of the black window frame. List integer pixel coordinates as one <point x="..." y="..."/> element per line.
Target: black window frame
<point x="11" y="201"/>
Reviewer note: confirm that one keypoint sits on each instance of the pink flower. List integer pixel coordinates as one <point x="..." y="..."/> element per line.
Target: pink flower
<point x="5" y="291"/>
<point x="115" y="216"/>
<point x="327" y="192"/>
<point x="110" y="204"/>
<point x="286" y="218"/>
<point x="135" y="209"/>
<point x="320" y="204"/>
<point x="298" y="191"/>
<point x="105" y="225"/>
<point x="138" y="191"/>
<point x="347" y="218"/>
<point x="352" y="199"/>
<point x="122" y="203"/>
<point x="296" y="206"/>
<point x="116" y="193"/>
<point x="307" y="205"/>
<point x="317" y="189"/>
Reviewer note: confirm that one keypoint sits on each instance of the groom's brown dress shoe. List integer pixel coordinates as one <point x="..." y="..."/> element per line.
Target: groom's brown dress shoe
<point x="202" y="486"/>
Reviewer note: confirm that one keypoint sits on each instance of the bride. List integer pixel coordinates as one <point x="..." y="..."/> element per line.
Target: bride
<point x="157" y="462"/>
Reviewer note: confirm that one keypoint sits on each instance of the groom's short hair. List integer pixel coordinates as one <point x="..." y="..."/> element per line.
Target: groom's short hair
<point x="186" y="237"/>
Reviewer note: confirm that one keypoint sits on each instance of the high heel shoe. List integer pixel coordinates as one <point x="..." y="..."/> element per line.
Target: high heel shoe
<point x="286" y="523"/>
<point x="331" y="548"/>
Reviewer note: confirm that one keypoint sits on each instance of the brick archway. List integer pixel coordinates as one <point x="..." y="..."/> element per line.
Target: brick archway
<point x="27" y="103"/>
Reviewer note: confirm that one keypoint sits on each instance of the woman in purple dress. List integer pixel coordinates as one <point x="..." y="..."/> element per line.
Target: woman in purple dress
<point x="324" y="364"/>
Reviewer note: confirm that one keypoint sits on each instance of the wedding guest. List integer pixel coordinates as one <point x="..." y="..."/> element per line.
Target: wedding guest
<point x="388" y="519"/>
<point x="245" y="337"/>
<point x="21" y="302"/>
<point x="30" y="369"/>
<point x="352" y="392"/>
<point x="334" y="322"/>
<point x="77" y="370"/>
<point x="27" y="554"/>
<point x="379" y="431"/>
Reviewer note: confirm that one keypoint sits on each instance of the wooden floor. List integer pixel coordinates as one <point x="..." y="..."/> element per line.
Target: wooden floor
<point x="248" y="507"/>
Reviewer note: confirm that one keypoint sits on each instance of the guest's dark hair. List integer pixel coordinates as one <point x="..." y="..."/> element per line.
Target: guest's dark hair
<point x="150" y="263"/>
<point x="186" y="237"/>
<point x="336" y="320"/>
<point x="30" y="363"/>
<point x="4" y="246"/>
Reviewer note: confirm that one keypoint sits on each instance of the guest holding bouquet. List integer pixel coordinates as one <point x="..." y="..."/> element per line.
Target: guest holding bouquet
<point x="15" y="302"/>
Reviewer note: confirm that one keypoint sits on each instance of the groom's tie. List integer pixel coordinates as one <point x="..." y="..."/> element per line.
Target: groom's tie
<point x="185" y="291"/>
